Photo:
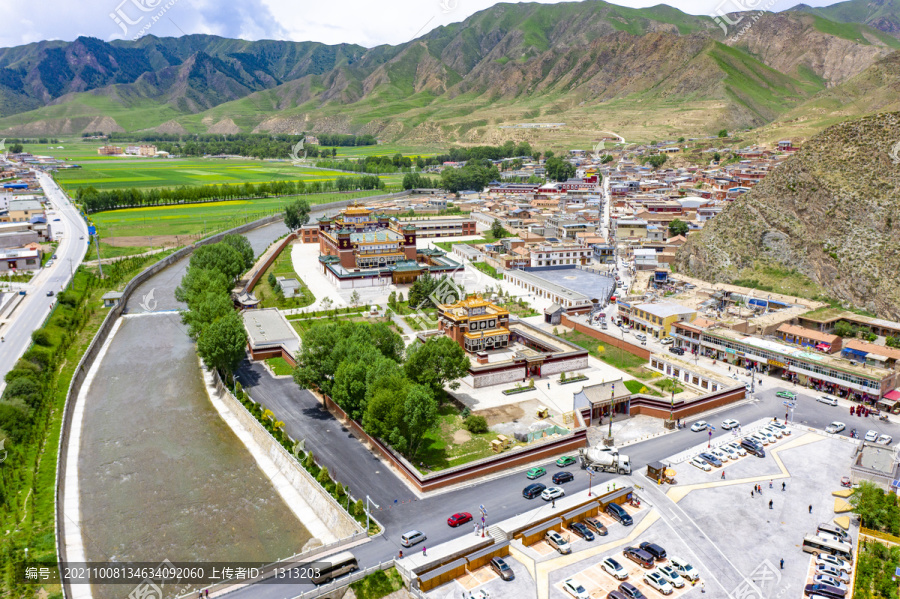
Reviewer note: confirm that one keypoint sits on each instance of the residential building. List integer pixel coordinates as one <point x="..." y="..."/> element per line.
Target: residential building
<point x="12" y="260"/>
<point x="110" y="150"/>
<point x="809" y="338"/>
<point x="657" y="319"/>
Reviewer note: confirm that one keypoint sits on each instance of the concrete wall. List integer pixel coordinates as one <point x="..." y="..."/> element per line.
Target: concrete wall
<point x="324" y="505"/>
<point x="564" y="366"/>
<point x="266" y="261"/>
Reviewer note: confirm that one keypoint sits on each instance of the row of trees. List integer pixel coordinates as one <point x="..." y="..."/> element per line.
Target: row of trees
<point x="95" y="200"/>
<point x="325" y="139"/>
<point x="474" y="176"/>
<point x="206" y="289"/>
<point x="419" y="181"/>
<point x="393" y="393"/>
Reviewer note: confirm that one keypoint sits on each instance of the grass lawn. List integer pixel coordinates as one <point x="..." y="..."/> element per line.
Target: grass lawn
<point x="378" y="584"/>
<point x="280" y="366"/>
<point x="520" y="308"/>
<point x="618" y="358"/>
<point x="198" y="219"/>
<point x="273" y="298"/>
<point x="304" y="324"/>
<point x="487" y="269"/>
<point x="450" y="444"/>
<point x="668" y="385"/>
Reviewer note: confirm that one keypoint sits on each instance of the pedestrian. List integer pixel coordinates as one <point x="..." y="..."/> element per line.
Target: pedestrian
<point x="770" y="504"/>
<point x="782" y="563"/>
<point x="199" y="594"/>
<point x="553" y="503"/>
<point x="723" y="475"/>
<point x="206" y="593"/>
<point x="401" y="554"/>
<point x="782" y="486"/>
<point x="751" y="494"/>
<point x="423" y="550"/>
<point x="702" y="587"/>
<point x="810" y="509"/>
<point x="770" y="484"/>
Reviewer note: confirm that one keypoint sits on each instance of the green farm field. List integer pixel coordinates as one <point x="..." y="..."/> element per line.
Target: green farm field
<point x="152" y="172"/>
<point x="199" y="219"/>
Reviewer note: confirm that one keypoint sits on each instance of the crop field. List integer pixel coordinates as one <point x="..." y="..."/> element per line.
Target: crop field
<point x="196" y="219"/>
<point x="159" y="172"/>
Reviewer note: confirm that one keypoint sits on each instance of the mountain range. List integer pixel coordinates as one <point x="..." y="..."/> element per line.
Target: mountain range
<point x="594" y="66"/>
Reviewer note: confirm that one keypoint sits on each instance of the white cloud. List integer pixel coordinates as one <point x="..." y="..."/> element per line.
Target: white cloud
<point x="365" y="22"/>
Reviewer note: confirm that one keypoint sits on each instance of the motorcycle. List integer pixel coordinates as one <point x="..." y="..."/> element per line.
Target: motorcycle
<point x="883" y="418"/>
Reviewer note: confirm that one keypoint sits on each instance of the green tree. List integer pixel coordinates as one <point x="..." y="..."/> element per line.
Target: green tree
<point x="354" y="298"/>
<point x="219" y="257"/>
<point x="16" y="148"/>
<point x="420" y="414"/>
<point x="296" y="214"/>
<point x="559" y="169"/>
<point x="723" y="133"/>
<point x="476" y="424"/>
<point x="842" y="328"/>
<point x="678" y="227"/>
<point x="497" y="229"/>
<point x="197" y="282"/>
<point x="607" y="158"/>
<point x="205" y="310"/>
<point x="656" y="161"/>
<point x="242" y="245"/>
<point x="437" y="362"/>
<point x="222" y="345"/>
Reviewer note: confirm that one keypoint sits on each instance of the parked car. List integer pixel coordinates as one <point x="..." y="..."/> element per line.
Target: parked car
<point x="701" y="464"/>
<point x="730" y="423"/>
<point x="615" y="595"/>
<point x="835" y="427"/>
<point x="614" y="568"/>
<point x="780" y="426"/>
<point x="775" y="432"/>
<point x="764" y="432"/>
<point x="667" y="340"/>
<point x="871" y="436"/>
<point x="823" y="590"/>
<point x="678" y="351"/>
<point x="737" y="448"/>
<point x="597" y="526"/>
<point x="832" y="571"/>
<point x="835" y="531"/>
<point x="536" y="472"/>
<point x="460" y="518"/>
<point x="582" y="531"/>
<point x="532" y="491"/>
<point x="408" y="539"/>
<point x="698" y="426"/>
<point x="722" y="455"/>
<point x="671" y="575"/>
<point x="827" y="399"/>
<point x="556" y="540"/>
<point x="710" y="459"/>
<point x="639" y="556"/>
<point x="574" y="588"/>
<point x="563" y="477"/>
<point x="787" y="394"/>
<point x="829" y="580"/>
<point x="564" y="461"/>
<point x="753" y="446"/>
<point x="826" y="559"/>
<point x="630" y="591"/>
<point x="619" y="514"/>
<point x="551" y="493"/>
<point x="653" y="549"/>
<point x="728" y="450"/>
<point x="499" y="565"/>
<point x="684" y="568"/>
<point x="656" y="581"/>
<point x="760" y="438"/>
<point x="885" y="440"/>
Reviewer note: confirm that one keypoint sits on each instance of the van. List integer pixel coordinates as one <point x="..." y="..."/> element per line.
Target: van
<point x="619" y="514"/>
<point x="834" y="530"/>
<point x="639" y="556"/>
<point x="753" y="447"/>
<point x="408" y="539"/>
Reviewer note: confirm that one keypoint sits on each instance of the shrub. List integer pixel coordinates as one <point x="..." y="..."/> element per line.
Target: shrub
<point x="67" y="298"/>
<point x="38" y="356"/>
<point x="273" y="282"/>
<point x="41" y="337"/>
<point x="476" y="424"/>
<point x="323" y="477"/>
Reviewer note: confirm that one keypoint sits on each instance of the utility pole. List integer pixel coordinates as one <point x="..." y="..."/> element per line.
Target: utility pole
<point x="369" y="501"/>
<point x="99" y="263"/>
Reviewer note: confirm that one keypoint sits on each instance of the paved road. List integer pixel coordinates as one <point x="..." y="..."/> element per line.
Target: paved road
<point x="502" y="496"/>
<point x="30" y="314"/>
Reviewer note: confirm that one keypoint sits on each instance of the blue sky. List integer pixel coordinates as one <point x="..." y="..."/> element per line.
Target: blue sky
<point x="365" y="22"/>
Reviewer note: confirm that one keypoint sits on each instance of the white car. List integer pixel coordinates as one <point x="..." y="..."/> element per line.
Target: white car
<point x="760" y="438"/>
<point x="722" y="455"/>
<point x="826" y="559"/>
<point x="684" y="568"/>
<point x="551" y="493"/>
<point x="833" y="572"/>
<point x="655" y="580"/>
<point x="738" y="449"/>
<point x="671" y="575"/>
<point x="835" y="427"/>
<point x="774" y="432"/>
<point x="871" y="436"/>
<point x="780" y="426"/>
<point x="885" y="440"/>
<point x="667" y="340"/>
<point x="729" y="451"/>
<point x="697" y="462"/>
<point x="574" y="588"/>
<point x="827" y="399"/>
<point x="730" y="424"/>
<point x="698" y="426"/>
<point x="830" y="581"/>
<point x="614" y="569"/>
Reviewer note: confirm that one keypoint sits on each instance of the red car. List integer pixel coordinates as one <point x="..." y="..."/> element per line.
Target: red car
<point x="460" y="518"/>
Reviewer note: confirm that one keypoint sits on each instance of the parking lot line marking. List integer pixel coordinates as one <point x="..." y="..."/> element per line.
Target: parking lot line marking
<point x="541" y="576"/>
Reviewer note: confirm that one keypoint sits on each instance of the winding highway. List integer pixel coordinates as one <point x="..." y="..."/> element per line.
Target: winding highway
<point x="69" y="228"/>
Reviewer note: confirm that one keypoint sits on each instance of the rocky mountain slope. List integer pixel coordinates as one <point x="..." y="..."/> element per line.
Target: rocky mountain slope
<point x="594" y="65"/>
<point x="883" y="15"/>
<point x="831" y="212"/>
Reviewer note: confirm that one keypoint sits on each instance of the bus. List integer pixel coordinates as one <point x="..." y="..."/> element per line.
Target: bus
<point x="333" y="567"/>
<point x="816" y="544"/>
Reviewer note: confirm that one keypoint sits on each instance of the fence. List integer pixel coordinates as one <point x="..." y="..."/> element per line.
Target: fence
<point x="606" y="338"/>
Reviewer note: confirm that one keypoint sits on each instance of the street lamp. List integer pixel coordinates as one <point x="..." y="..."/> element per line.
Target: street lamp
<point x="369" y="501"/>
<point x="590" y="481"/>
